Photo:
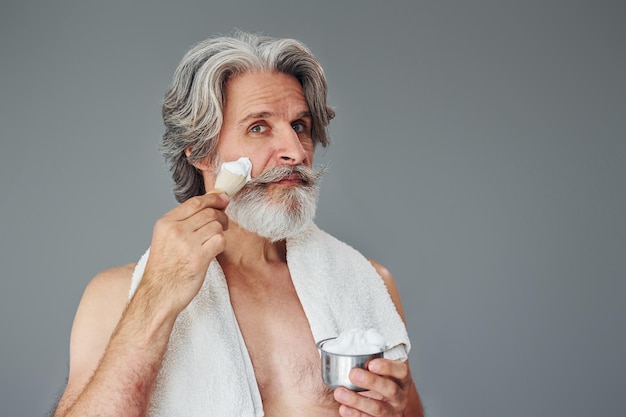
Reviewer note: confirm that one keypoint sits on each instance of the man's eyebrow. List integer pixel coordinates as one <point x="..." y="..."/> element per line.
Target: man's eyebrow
<point x="253" y="116"/>
<point x="305" y="115"/>
<point x="266" y="114"/>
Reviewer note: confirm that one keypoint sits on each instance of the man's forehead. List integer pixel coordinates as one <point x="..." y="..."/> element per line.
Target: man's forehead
<point x="264" y="95"/>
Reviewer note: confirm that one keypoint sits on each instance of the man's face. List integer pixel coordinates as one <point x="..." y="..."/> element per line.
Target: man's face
<point x="267" y="119"/>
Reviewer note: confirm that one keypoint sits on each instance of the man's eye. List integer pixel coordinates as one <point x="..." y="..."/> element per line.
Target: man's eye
<point x="257" y="129"/>
<point x="298" y="127"/>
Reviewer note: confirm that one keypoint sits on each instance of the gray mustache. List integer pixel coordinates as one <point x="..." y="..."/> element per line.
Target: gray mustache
<point x="308" y="176"/>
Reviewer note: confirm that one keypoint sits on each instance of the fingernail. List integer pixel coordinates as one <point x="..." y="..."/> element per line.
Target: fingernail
<point x="341" y="394"/>
<point x="357" y="374"/>
<point x="373" y="366"/>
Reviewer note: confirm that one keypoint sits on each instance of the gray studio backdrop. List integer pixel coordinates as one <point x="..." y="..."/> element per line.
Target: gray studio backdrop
<point x="478" y="152"/>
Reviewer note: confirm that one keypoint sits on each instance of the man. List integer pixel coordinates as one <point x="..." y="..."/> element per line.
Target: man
<point x="226" y="308"/>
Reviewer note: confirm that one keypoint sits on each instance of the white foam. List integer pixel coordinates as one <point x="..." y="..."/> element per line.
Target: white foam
<point x="357" y="342"/>
<point x="242" y="166"/>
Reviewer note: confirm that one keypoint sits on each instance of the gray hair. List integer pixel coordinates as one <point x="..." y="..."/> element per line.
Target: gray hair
<point x="194" y="103"/>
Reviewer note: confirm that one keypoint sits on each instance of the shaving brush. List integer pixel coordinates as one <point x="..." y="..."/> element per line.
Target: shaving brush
<point x="232" y="176"/>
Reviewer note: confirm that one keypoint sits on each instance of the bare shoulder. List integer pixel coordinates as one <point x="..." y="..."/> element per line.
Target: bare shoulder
<point x="382" y="271"/>
<point x="98" y="313"/>
<point x="391" y="285"/>
<point x="110" y="283"/>
<point x="105" y="297"/>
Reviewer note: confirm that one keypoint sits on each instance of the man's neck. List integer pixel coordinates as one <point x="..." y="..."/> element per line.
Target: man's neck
<point x="247" y="249"/>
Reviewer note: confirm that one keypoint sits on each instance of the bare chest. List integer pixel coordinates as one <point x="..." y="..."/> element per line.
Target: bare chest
<point x="282" y="349"/>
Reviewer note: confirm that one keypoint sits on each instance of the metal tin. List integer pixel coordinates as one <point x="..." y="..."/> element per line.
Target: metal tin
<point x="336" y="366"/>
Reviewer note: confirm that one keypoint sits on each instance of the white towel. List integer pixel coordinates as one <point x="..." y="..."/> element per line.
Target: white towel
<point x="207" y="370"/>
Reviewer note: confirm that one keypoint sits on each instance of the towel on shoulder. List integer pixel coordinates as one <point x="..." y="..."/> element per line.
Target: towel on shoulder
<point x="339" y="290"/>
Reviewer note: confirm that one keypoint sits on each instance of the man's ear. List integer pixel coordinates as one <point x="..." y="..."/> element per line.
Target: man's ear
<point x="200" y="165"/>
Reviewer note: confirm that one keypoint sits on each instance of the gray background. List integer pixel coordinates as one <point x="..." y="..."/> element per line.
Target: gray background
<point x="479" y="153"/>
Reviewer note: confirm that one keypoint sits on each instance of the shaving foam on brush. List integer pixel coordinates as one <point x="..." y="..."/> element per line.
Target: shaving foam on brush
<point x="232" y="176"/>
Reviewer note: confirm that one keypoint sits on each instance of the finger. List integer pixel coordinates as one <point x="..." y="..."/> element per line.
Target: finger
<point x="381" y="387"/>
<point x="214" y="245"/>
<point x="206" y="216"/>
<point x="206" y="232"/>
<point x="373" y="382"/>
<point x="198" y="203"/>
<point x="356" y="404"/>
<point x="372" y="394"/>
<point x="395" y="369"/>
<point x="398" y="374"/>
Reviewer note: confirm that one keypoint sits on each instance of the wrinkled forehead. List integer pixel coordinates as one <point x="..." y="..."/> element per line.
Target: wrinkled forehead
<point x="259" y="93"/>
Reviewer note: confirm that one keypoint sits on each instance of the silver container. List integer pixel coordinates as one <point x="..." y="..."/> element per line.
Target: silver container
<point x="336" y="366"/>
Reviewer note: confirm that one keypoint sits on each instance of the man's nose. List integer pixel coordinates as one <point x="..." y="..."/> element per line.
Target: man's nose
<point x="290" y="150"/>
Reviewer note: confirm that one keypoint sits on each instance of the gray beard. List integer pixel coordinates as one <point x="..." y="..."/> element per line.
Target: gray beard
<point x="276" y="214"/>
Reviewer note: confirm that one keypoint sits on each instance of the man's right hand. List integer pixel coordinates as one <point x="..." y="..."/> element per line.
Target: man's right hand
<point x="117" y="348"/>
<point x="184" y="242"/>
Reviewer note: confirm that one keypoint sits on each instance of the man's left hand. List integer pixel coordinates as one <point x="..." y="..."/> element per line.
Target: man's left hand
<point x="387" y="383"/>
